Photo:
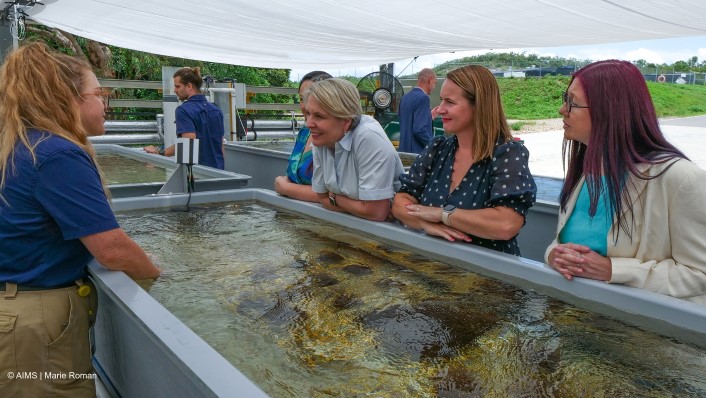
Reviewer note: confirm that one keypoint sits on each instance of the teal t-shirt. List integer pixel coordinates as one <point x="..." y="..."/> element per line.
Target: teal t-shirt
<point x="585" y="230"/>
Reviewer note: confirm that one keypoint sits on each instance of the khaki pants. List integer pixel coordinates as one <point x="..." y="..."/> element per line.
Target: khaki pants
<point x="44" y="344"/>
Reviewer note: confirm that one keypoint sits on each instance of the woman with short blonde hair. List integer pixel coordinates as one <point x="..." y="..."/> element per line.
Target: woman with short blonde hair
<point x="54" y="219"/>
<point x="356" y="167"/>
<point x="338" y="97"/>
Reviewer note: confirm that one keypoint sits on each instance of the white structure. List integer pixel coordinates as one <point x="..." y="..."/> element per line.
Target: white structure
<point x="300" y="34"/>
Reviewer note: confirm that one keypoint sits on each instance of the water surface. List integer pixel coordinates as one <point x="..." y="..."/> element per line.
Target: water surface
<point x="119" y="169"/>
<point x="306" y="308"/>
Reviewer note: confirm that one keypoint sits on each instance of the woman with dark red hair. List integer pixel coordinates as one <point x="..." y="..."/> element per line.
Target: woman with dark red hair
<point x="632" y="205"/>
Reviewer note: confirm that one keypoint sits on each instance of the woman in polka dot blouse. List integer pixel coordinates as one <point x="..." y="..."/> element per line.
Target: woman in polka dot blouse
<point x="474" y="185"/>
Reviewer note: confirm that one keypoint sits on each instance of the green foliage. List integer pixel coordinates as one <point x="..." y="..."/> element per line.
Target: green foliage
<point x="681" y="66"/>
<point x="540" y="98"/>
<point x="353" y="79"/>
<point x="135" y="65"/>
<point x="514" y="61"/>
<point x="132" y="65"/>
<point x="44" y="34"/>
<point x="678" y="99"/>
<point x="517" y="126"/>
<point x="517" y="61"/>
<point x="532" y="97"/>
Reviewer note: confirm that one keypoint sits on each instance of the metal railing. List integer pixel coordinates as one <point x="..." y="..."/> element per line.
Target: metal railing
<point x="157" y="104"/>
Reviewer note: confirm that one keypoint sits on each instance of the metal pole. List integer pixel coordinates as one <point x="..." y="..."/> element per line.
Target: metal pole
<point x="410" y="63"/>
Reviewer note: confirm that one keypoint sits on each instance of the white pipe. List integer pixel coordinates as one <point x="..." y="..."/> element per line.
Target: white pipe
<point x="221" y="90"/>
<point x="123" y="139"/>
<point x="212" y="90"/>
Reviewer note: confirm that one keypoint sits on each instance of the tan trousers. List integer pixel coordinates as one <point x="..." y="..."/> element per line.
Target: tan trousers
<point x="44" y="344"/>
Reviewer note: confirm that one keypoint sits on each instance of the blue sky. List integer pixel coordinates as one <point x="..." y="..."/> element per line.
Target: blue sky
<point x="655" y="51"/>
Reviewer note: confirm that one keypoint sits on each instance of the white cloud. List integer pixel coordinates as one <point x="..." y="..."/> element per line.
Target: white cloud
<point x="647" y="55"/>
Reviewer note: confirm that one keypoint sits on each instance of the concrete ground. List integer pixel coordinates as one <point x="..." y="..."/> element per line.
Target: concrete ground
<point x="687" y="134"/>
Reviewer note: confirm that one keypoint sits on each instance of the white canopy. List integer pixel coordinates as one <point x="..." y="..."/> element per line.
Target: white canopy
<point x="307" y="33"/>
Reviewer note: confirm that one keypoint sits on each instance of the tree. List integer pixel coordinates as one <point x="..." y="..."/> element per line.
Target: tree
<point x="680" y="66"/>
<point x="122" y="63"/>
<point x="693" y="61"/>
<point x="97" y="54"/>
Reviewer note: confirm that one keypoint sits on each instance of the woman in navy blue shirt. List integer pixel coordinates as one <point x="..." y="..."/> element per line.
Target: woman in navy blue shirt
<point x="54" y="218"/>
<point x="475" y="185"/>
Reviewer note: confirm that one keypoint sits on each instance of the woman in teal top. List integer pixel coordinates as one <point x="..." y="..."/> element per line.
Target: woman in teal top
<point x="301" y="166"/>
<point x="297" y="183"/>
<point x="632" y="204"/>
<point x="585" y="229"/>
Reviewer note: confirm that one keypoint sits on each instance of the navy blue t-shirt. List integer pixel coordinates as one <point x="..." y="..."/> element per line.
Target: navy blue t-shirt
<point x="50" y="204"/>
<point x="503" y="180"/>
<point x="197" y="115"/>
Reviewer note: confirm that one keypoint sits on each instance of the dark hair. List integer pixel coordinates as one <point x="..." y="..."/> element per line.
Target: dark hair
<point x="190" y="75"/>
<point x="624" y="134"/>
<point x="314" y="76"/>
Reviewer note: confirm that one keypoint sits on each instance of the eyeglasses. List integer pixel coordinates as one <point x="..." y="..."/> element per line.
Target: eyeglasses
<point x="570" y="103"/>
<point x="104" y="95"/>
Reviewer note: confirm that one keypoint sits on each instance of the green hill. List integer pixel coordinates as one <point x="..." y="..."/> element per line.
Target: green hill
<point x="540" y="98"/>
<point x="535" y="98"/>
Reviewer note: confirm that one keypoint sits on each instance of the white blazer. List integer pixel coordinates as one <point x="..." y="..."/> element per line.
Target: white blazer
<point x="667" y="252"/>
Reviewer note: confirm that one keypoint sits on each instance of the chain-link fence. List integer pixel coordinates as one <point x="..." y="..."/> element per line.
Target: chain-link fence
<point x="664" y="75"/>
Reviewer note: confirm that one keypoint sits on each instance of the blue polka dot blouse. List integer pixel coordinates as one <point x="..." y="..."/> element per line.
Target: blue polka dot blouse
<point x="503" y="180"/>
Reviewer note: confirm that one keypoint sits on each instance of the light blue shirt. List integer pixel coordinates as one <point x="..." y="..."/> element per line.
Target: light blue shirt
<point x="363" y="165"/>
<point x="585" y="230"/>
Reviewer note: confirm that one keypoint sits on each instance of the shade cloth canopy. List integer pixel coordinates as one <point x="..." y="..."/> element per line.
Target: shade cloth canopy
<point x="315" y="33"/>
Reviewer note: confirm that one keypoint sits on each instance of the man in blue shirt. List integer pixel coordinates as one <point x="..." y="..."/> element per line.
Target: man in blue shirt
<point x="196" y="118"/>
<point x="415" y="114"/>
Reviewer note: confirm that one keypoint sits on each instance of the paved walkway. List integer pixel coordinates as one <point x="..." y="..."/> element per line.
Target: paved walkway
<point x="692" y="121"/>
<point x="687" y="134"/>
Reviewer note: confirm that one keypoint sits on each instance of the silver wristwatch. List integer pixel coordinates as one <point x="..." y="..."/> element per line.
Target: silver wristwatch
<point x="446" y="213"/>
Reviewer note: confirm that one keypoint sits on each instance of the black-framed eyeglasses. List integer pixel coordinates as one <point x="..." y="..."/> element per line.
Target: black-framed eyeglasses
<point x="570" y="103"/>
<point x="104" y="95"/>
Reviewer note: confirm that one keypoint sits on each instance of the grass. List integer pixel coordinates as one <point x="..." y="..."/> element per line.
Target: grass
<point x="540" y="98"/>
<point x="532" y="98"/>
<point x="678" y="99"/>
<point x="517" y="126"/>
